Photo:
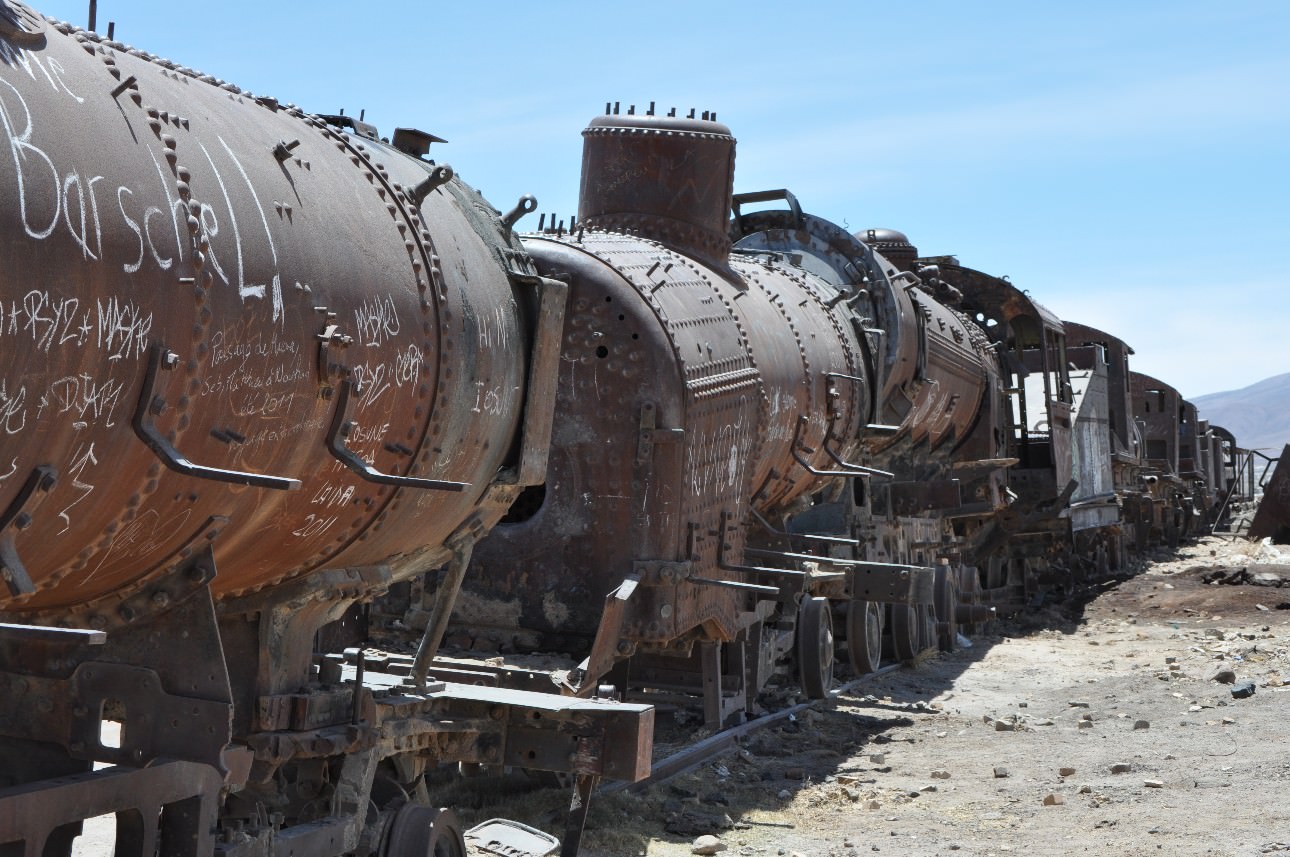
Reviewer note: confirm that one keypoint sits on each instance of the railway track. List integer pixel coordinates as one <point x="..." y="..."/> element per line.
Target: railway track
<point x="685" y="760"/>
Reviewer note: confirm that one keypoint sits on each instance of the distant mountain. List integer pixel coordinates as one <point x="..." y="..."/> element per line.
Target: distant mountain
<point x="1258" y="415"/>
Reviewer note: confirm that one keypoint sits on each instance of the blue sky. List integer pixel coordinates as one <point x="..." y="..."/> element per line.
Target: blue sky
<point x="1126" y="163"/>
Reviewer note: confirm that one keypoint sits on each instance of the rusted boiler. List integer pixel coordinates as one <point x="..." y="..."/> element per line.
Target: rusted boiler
<point x="257" y="365"/>
<point x="931" y="468"/>
<point x="698" y="389"/>
<point x="229" y="324"/>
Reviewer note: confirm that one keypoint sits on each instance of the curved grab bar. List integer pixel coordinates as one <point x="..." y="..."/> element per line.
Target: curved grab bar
<point x="150" y="405"/>
<point x="339" y="431"/>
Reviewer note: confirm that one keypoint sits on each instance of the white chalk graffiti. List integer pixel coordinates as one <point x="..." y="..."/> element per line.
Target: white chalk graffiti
<point x="377" y="320"/>
<point x="716" y="461"/>
<point x="88" y="400"/>
<point x="81" y="459"/>
<point x="122" y="329"/>
<point x="48" y="319"/>
<point x="314" y="525"/>
<point x="276" y="285"/>
<point x="495" y="329"/>
<point x="407" y="366"/>
<point x="251" y="377"/>
<point x="330" y="495"/>
<point x="371" y="383"/>
<point x="361" y="435"/>
<point x="51" y="68"/>
<point x="13" y="408"/>
<point x="27" y="157"/>
<point x="117" y="328"/>
<point x="50" y="199"/>
<point x="488" y="400"/>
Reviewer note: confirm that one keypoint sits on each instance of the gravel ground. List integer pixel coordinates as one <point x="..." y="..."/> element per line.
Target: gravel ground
<point x="1096" y="727"/>
<point x="1093" y="727"/>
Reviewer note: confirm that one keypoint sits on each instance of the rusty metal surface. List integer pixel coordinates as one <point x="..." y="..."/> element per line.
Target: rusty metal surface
<point x="701" y="387"/>
<point x="940" y="383"/>
<point x="818" y="383"/>
<point x="656" y="425"/>
<point x="1083" y="345"/>
<point x="935" y="386"/>
<point x="1226" y="466"/>
<point x="1272" y="518"/>
<point x="666" y="178"/>
<point x="1091" y="448"/>
<point x="1031" y="345"/>
<point x="1157" y="408"/>
<point x="274" y="296"/>
<point x="1189" y="463"/>
<point x="173" y="803"/>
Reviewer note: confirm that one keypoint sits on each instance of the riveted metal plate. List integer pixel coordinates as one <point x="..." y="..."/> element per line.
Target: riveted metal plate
<point x="20" y="23"/>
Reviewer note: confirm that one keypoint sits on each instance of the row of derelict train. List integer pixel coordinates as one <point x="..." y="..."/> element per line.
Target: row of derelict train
<point x="273" y="387"/>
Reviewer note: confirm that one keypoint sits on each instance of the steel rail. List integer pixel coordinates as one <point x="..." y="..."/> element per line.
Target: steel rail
<point x="686" y="760"/>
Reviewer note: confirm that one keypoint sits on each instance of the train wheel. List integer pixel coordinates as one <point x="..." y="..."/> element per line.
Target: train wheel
<point x="970" y="597"/>
<point x="422" y="831"/>
<point x="864" y="635"/>
<point x="945" y="597"/>
<point x="904" y="632"/>
<point x="815" y="646"/>
<point x="927" y="636"/>
<point x="996" y="572"/>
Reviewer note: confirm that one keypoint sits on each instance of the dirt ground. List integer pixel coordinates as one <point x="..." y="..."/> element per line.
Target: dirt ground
<point x="1095" y="727"/>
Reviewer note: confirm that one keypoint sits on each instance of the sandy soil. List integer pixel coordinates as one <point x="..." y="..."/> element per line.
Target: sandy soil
<point x="1094" y="727"/>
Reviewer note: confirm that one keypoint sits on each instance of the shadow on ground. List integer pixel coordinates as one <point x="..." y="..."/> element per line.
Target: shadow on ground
<point x="764" y="774"/>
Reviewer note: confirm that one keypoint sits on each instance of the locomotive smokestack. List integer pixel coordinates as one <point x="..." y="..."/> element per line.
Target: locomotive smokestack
<point x="664" y="178"/>
<point x="893" y="245"/>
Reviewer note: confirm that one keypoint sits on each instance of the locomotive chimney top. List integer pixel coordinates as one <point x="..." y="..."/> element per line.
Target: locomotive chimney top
<point x="666" y="178"/>
<point x="894" y="246"/>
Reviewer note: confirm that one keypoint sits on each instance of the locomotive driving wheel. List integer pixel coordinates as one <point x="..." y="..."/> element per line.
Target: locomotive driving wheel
<point x="1102" y="561"/>
<point x="815" y="646"/>
<point x="904" y="632"/>
<point x="970" y="594"/>
<point x="864" y="635"/>
<point x="945" y="597"/>
<point x="927" y="637"/>
<point x="423" y="831"/>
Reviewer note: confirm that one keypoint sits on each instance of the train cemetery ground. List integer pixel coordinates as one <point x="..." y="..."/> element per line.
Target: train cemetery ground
<point x="1149" y="718"/>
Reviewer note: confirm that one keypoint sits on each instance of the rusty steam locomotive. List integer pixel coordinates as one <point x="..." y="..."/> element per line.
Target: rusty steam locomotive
<point x="263" y="368"/>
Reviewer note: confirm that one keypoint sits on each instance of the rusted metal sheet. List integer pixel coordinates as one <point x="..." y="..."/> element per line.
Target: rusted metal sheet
<point x="915" y="498"/>
<point x="891" y="585"/>
<point x="1273" y="515"/>
<point x="666" y="178"/>
<point x="1085" y="345"/>
<point x="223" y="400"/>
<point x="1157" y="408"/>
<point x="700" y="384"/>
<point x="939" y="376"/>
<point x="1091" y="450"/>
<point x="1189" y="440"/>
<point x="174" y="804"/>
<point x="662" y="394"/>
